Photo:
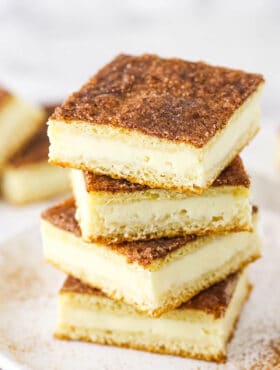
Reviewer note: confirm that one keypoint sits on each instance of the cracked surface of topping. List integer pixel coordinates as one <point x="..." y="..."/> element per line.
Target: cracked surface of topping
<point x="171" y="99"/>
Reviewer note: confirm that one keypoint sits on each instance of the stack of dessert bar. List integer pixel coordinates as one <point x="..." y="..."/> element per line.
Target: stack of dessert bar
<point x="25" y="173"/>
<point x="158" y="236"/>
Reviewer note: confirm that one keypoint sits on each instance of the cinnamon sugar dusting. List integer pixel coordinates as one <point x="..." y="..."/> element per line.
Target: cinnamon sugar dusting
<point x="141" y="252"/>
<point x="62" y="216"/>
<point x="233" y="175"/>
<point x="269" y="358"/>
<point x="169" y="98"/>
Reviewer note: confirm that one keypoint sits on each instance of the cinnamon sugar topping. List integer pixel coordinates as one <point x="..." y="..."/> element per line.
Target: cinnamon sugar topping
<point x="169" y="98"/>
<point x="215" y="299"/>
<point x="62" y="216"/>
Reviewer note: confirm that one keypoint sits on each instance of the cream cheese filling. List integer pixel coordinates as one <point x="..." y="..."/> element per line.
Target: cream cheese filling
<point x="216" y="252"/>
<point x="99" y="266"/>
<point x="92" y="313"/>
<point x="202" y="333"/>
<point x="118" y="151"/>
<point x="101" y="213"/>
<point x="80" y="138"/>
<point x="224" y="206"/>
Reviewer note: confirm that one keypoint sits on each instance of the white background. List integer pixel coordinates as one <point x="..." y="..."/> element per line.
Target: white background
<point x="49" y="48"/>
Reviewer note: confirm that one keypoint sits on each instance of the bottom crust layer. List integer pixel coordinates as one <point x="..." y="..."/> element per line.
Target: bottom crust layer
<point x="119" y="238"/>
<point x="107" y="339"/>
<point x="70" y="329"/>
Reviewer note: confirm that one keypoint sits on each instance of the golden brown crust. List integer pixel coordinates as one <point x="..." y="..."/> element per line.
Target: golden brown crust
<point x="158" y="235"/>
<point x="213" y="301"/>
<point x="219" y="357"/>
<point x="37" y="149"/>
<point x="233" y="175"/>
<point x="153" y="185"/>
<point x="167" y="98"/>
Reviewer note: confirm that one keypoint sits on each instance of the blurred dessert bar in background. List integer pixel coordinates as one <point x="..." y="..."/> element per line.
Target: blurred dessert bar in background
<point x="27" y="176"/>
<point x="19" y="121"/>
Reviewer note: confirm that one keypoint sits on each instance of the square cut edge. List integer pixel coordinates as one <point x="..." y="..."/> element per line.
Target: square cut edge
<point x="163" y="280"/>
<point x="199" y="329"/>
<point x="149" y="160"/>
<point x="114" y="210"/>
<point x="27" y="177"/>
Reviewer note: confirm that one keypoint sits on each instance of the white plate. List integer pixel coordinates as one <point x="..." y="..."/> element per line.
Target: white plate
<point x="28" y="292"/>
